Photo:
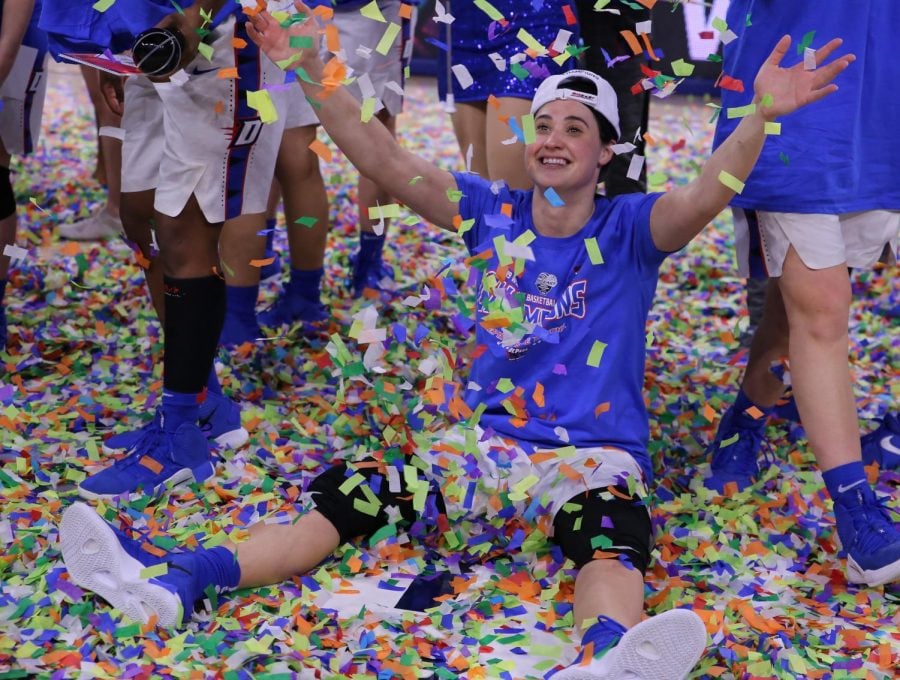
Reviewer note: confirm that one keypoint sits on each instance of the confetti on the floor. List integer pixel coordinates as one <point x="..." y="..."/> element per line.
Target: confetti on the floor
<point x="761" y="568"/>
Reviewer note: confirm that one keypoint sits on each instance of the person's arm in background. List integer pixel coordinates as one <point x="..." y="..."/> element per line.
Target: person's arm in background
<point x="16" y="16"/>
<point x="682" y="213"/>
<point x="422" y="186"/>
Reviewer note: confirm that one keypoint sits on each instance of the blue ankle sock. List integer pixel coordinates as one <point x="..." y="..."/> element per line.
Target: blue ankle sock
<point x="603" y="635"/>
<point x="241" y="300"/>
<point x="178" y="408"/>
<point x="844" y="481"/>
<point x="370" y="246"/>
<point x="214" y="567"/>
<point x="212" y="383"/>
<point x="306" y="284"/>
<point x="743" y="419"/>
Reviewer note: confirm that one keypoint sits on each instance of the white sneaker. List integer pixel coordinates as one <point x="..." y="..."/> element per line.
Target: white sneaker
<point x="664" y="647"/>
<point x="99" y="225"/>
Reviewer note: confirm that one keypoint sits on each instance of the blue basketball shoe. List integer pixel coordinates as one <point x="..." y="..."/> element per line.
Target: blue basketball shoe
<point x="882" y="446"/>
<point x="290" y="308"/>
<point x="369" y="272"/>
<point x="735" y="453"/>
<point x="663" y="647"/>
<point x="107" y="562"/>
<point x="158" y="461"/>
<point x="220" y="421"/>
<point x="868" y="536"/>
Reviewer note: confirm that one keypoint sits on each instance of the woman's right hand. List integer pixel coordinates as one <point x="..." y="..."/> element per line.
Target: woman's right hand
<point x="294" y="44"/>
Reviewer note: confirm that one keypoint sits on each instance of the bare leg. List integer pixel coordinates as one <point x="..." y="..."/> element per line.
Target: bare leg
<point x="817" y="304"/>
<point x="137" y="218"/>
<point x="369" y="193"/>
<point x="188" y="243"/>
<point x="276" y="552"/>
<point x="610" y="588"/>
<point x="297" y="170"/>
<point x="770" y="344"/>
<point x="240" y="244"/>
<point x="469" y="124"/>
<point x="506" y="161"/>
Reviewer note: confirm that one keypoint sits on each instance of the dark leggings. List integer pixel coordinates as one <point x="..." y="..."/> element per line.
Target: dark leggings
<point x="598" y="523"/>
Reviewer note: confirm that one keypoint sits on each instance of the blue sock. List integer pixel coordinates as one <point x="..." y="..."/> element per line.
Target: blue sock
<point x="306" y="284"/>
<point x="241" y="300"/>
<point x="216" y="567"/>
<point x="844" y="481"/>
<point x="370" y="246"/>
<point x="743" y="419"/>
<point x="212" y="383"/>
<point x="604" y="635"/>
<point x="178" y="408"/>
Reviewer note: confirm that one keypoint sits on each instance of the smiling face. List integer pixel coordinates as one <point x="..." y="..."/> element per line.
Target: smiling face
<point x="567" y="152"/>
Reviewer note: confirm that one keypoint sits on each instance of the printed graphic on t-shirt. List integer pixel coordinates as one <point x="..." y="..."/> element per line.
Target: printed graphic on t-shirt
<point x="539" y="312"/>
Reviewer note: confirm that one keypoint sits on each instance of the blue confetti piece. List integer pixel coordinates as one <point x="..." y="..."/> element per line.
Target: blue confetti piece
<point x="553" y="197"/>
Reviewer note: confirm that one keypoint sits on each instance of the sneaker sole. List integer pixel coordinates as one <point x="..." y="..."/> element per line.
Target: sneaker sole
<point x="233" y="439"/>
<point x="184" y="475"/>
<point x="664" y="647"/>
<point x="96" y="561"/>
<point x="872" y="577"/>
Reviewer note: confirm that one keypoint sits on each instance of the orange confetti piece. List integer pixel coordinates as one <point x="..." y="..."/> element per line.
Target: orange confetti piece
<point x="153" y="465"/>
<point x="226" y="73"/>
<point x="646" y="39"/>
<point x="538" y="394"/>
<point x="332" y="39"/>
<point x="754" y="413"/>
<point x="493" y="101"/>
<point x="601" y="408"/>
<point x="632" y="41"/>
<point x="70" y="248"/>
<point x="238" y="43"/>
<point x="263" y="262"/>
<point x="506" y="209"/>
<point x="709" y="413"/>
<point x="219" y="108"/>
<point x="321" y="150"/>
<point x="406" y="11"/>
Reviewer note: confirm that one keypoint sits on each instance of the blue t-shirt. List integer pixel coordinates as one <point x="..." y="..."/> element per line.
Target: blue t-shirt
<point x="78" y="27"/>
<point x="842" y="153"/>
<point x="560" y="307"/>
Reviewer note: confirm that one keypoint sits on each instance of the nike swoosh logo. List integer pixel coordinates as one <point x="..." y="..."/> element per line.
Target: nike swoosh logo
<point x="888" y="445"/>
<point x="201" y="71"/>
<point x="842" y="488"/>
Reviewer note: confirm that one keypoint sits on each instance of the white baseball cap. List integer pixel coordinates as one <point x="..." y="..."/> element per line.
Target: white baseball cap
<point x="604" y="102"/>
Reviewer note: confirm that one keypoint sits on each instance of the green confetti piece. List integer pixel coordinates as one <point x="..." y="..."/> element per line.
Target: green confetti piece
<point x="719" y="24"/>
<point x="740" y="111"/>
<point x="493" y="13"/>
<point x="767" y="100"/>
<point x="505" y="385"/>
<point x="454" y="195"/>
<point x="596" y="353"/>
<point x="154" y="570"/>
<point x="528" y="128"/>
<point x="206" y="50"/>
<point x="772" y="128"/>
<point x="103" y="5"/>
<point x="390" y="35"/>
<point x="593" y="250"/>
<point x="306" y="221"/>
<point x="366" y="507"/>
<point x="783" y="157"/>
<point x="806" y="42"/>
<point x="464" y="226"/>
<point x="128" y="631"/>
<point x="730" y="181"/>
<point x="519" y="71"/>
<point x="681" y="68"/>
<point x="729" y="441"/>
<point x="301" y="42"/>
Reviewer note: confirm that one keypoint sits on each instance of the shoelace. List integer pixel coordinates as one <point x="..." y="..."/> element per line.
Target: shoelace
<point x="872" y="523"/>
<point x="150" y="440"/>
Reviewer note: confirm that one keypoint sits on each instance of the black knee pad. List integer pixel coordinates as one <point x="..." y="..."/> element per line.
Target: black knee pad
<point x="7" y="197"/>
<point x="613" y="526"/>
<point x="337" y="506"/>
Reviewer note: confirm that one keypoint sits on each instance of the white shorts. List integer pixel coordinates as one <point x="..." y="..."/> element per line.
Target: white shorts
<point x="858" y="239"/>
<point x="473" y="475"/>
<point x="22" y="94"/>
<point x="201" y="136"/>
<point x="375" y="75"/>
